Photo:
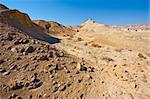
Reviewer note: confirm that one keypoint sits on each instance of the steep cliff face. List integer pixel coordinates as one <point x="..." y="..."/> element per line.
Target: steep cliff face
<point x="23" y="22"/>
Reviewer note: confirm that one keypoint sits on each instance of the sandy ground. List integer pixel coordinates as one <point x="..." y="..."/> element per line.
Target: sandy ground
<point x="121" y="57"/>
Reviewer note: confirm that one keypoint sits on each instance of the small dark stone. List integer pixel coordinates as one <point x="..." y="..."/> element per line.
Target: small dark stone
<point x="17" y="42"/>
<point x="10" y="97"/>
<point x="54" y="83"/>
<point x="1" y="61"/>
<point x="77" y="72"/>
<point x="30" y="96"/>
<point x="9" y="38"/>
<point x="62" y="88"/>
<point x="18" y="58"/>
<point x="44" y="57"/>
<point x="59" y="54"/>
<point x="55" y="89"/>
<point x="27" y="84"/>
<point x="6" y="73"/>
<point x="79" y="80"/>
<point x="35" y="83"/>
<point x="81" y="96"/>
<point x="2" y="70"/>
<point x="25" y="41"/>
<point x="13" y="67"/>
<point x="30" y="49"/>
<point x="83" y="68"/>
<point x="19" y="97"/>
<point x="16" y="86"/>
<point x="22" y="50"/>
<point x="14" y="95"/>
<point x="58" y="67"/>
<point x="50" y="54"/>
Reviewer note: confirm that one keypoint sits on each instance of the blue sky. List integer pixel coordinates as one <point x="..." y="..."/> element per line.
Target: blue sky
<point x="75" y="12"/>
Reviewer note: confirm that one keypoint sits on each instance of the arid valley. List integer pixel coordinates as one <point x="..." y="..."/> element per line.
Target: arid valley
<point x="42" y="59"/>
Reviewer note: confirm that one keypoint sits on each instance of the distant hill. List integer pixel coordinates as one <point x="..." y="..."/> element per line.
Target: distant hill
<point x="55" y="28"/>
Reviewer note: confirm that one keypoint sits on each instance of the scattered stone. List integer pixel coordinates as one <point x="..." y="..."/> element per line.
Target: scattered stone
<point x="14" y="49"/>
<point x="13" y="67"/>
<point x="102" y="82"/>
<point x="44" y="57"/>
<point x="22" y="50"/>
<point x="2" y="70"/>
<point x="78" y="66"/>
<point x="29" y="49"/>
<point x="13" y="95"/>
<point x="17" y="42"/>
<point x="79" y="81"/>
<point x="25" y="41"/>
<point x="81" y="96"/>
<point x="18" y="97"/>
<point x="9" y="47"/>
<point x="50" y="54"/>
<point x="10" y="97"/>
<point x="58" y="67"/>
<point x="35" y="83"/>
<point x="27" y="84"/>
<point x="83" y="68"/>
<point x="55" y="88"/>
<point x="62" y="87"/>
<point x="18" y="58"/>
<point x="9" y="38"/>
<point x="1" y="61"/>
<point x="16" y="86"/>
<point x="6" y="73"/>
<point x="24" y="53"/>
<point x="90" y="69"/>
<point x="59" y="53"/>
<point x="33" y="41"/>
<point x="30" y="97"/>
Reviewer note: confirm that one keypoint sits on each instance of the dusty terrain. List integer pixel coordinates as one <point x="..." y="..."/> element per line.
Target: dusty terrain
<point x="47" y="60"/>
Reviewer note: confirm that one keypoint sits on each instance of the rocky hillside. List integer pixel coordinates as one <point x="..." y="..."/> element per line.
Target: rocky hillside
<point x="56" y="28"/>
<point x="22" y="22"/>
<point x="32" y="69"/>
